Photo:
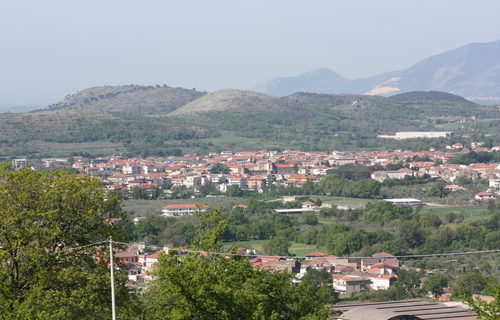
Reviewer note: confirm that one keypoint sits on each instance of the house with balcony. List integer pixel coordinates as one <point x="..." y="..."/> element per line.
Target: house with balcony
<point x="182" y="209"/>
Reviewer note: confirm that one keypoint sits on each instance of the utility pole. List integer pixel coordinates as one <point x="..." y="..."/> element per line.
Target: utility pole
<point x="113" y="308"/>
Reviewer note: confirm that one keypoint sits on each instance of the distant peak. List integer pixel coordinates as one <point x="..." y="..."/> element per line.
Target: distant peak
<point x="321" y="72"/>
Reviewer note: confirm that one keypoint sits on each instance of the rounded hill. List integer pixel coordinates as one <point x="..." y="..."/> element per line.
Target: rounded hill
<point x="422" y="96"/>
<point x="131" y="99"/>
<point x="228" y="99"/>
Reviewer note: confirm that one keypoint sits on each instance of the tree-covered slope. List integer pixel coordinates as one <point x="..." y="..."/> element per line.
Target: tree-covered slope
<point x="76" y="130"/>
<point x="421" y="96"/>
<point x="322" y="121"/>
<point x="237" y="119"/>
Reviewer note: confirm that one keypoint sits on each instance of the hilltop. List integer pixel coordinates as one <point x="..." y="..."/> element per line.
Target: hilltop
<point x="228" y="99"/>
<point x="425" y="96"/>
<point x="472" y="71"/>
<point x="129" y="99"/>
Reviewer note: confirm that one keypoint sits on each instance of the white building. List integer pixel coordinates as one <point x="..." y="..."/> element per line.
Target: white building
<point x="494" y="183"/>
<point x="405" y="201"/>
<point x="417" y="134"/>
<point x="422" y="134"/>
<point x="395" y="174"/>
<point x="131" y="169"/>
<point x="19" y="163"/>
<point x="182" y="209"/>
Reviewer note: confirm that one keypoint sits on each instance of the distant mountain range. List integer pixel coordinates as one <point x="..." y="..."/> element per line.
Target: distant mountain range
<point x="472" y="71"/>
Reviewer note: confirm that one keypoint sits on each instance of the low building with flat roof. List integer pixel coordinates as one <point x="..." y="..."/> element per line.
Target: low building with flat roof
<point x="417" y="134"/>
<point x="182" y="209"/>
<point x="404" y="310"/>
<point x="405" y="201"/>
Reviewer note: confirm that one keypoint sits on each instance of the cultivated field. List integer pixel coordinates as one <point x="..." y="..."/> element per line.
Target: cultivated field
<point x="298" y="249"/>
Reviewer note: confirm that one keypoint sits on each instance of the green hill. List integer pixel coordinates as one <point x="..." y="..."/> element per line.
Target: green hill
<point x="131" y="99"/>
<point x="139" y="121"/>
<point x="66" y="131"/>
<point x="424" y="96"/>
<point x="323" y="122"/>
<point x="228" y="100"/>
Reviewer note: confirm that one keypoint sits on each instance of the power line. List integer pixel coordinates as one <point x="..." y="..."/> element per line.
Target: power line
<point x="343" y="257"/>
<point x="71" y="249"/>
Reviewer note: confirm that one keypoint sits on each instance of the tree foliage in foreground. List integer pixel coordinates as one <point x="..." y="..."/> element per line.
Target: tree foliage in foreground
<point x="43" y="215"/>
<point x="486" y="310"/>
<point x="206" y="286"/>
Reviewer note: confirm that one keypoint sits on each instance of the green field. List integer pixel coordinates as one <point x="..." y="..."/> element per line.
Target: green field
<point x="298" y="249"/>
<point x="343" y="201"/>
<point x="38" y="148"/>
<point x="471" y="213"/>
<point x="147" y="207"/>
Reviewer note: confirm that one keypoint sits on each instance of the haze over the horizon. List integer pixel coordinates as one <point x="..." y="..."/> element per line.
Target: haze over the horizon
<point x="53" y="48"/>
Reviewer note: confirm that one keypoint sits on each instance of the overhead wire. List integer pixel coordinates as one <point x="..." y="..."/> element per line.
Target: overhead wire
<point x="71" y="249"/>
<point x="411" y="256"/>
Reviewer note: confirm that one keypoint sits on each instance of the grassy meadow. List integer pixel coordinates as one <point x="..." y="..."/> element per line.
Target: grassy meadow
<point x="298" y="249"/>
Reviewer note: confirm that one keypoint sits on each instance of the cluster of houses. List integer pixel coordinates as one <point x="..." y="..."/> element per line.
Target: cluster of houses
<point x="376" y="273"/>
<point x="349" y="275"/>
<point x="255" y="170"/>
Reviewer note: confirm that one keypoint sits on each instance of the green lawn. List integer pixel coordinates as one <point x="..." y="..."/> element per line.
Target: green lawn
<point x="471" y="213"/>
<point x="146" y="207"/>
<point x="298" y="249"/>
<point x="343" y="201"/>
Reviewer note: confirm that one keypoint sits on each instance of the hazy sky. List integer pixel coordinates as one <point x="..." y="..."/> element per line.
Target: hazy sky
<point x="55" y="47"/>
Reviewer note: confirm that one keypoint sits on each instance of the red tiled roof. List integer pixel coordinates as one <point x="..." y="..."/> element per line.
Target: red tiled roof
<point x="125" y="254"/>
<point x="486" y="194"/>
<point x="316" y="254"/>
<point x="384" y="265"/>
<point x="344" y="268"/>
<point x="271" y="258"/>
<point x="155" y="255"/>
<point x="284" y="166"/>
<point x="382" y="254"/>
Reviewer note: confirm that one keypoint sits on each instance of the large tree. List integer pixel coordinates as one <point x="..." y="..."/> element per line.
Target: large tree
<point x="44" y="217"/>
<point x="409" y="283"/>
<point x="219" y="168"/>
<point x="211" y="286"/>
<point x="435" y="284"/>
<point x="321" y="280"/>
<point x="471" y="283"/>
<point x="277" y="246"/>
